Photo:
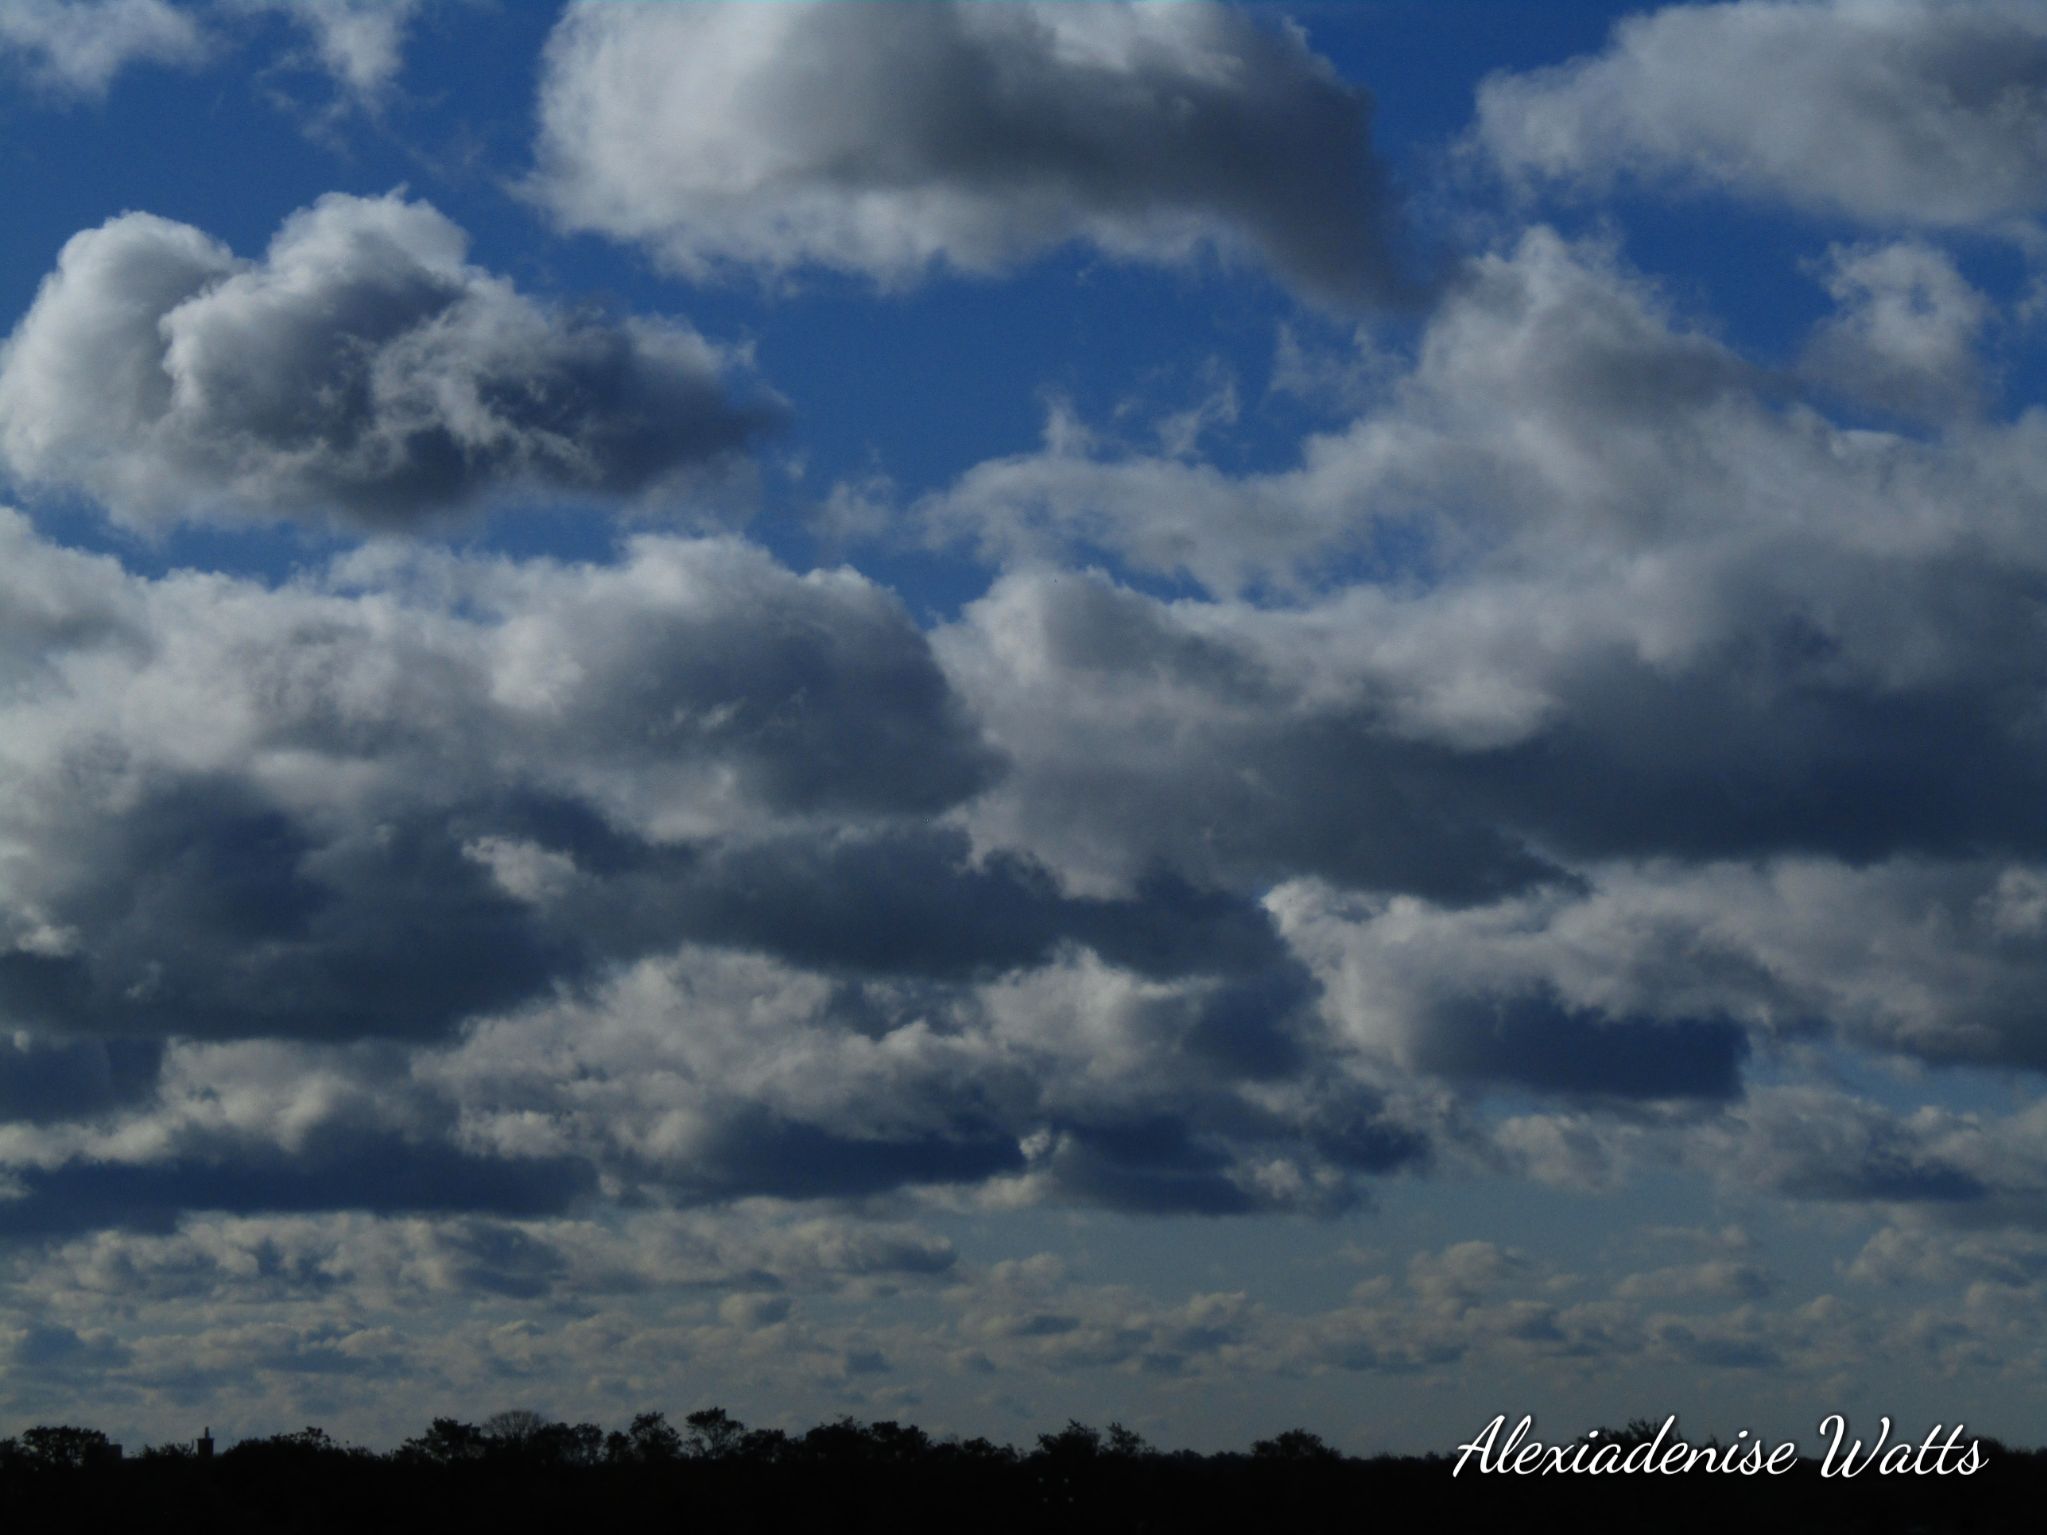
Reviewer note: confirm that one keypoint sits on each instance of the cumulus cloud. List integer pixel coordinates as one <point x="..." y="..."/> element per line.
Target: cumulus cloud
<point x="363" y="370"/>
<point x="1906" y="331"/>
<point x="236" y="809"/>
<point x="1820" y="1143"/>
<point x="1213" y="904"/>
<point x="883" y="140"/>
<point x="1898" y="112"/>
<point x="1072" y="1080"/>
<point x="1914" y="957"/>
<point x="1675" y="716"/>
<point x="1550" y="385"/>
<point x="76" y="47"/>
<point x="639" y="872"/>
<point x="1626" y="604"/>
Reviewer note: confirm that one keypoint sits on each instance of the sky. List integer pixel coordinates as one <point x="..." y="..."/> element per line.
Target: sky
<point x="1217" y="716"/>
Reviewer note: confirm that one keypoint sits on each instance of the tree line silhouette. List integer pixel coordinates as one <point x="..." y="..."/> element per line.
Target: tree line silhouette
<point x="520" y="1469"/>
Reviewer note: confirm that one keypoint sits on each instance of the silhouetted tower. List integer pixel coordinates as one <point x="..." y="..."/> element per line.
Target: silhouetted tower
<point x="206" y="1443"/>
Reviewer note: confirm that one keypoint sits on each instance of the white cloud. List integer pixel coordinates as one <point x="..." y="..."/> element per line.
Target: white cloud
<point x="1631" y="597"/>
<point x="78" y="46"/>
<point x="1893" y="112"/>
<point x="883" y="139"/>
<point x="361" y="43"/>
<point x="1905" y="332"/>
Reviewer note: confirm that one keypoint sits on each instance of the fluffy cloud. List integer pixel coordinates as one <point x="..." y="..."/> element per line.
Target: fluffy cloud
<point x="1216" y="904"/>
<point x="362" y="370"/>
<point x="543" y="875"/>
<point x="881" y="139"/>
<point x="361" y="43"/>
<point x="1906" y="331"/>
<point x="1676" y="717"/>
<point x="1930" y="959"/>
<point x="78" y="46"/>
<point x="235" y="809"/>
<point x="1630" y="601"/>
<point x="1899" y="112"/>
<point x="1960" y="1168"/>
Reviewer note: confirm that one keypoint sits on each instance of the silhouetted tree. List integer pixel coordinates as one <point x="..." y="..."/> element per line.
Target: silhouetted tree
<point x="843" y="1441"/>
<point x="1296" y="1444"/>
<point x="514" y="1426"/>
<point x="762" y="1446"/>
<point x="1125" y="1443"/>
<point x="57" y="1448"/>
<point x="563" y="1444"/>
<point x="1076" y="1441"/>
<point x="981" y="1452"/>
<point x="714" y="1433"/>
<point x="306" y="1445"/>
<point x="445" y="1442"/>
<point x="651" y="1440"/>
<point x="513" y="1473"/>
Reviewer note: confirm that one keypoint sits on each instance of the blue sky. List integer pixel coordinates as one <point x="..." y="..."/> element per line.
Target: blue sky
<point x="1218" y="716"/>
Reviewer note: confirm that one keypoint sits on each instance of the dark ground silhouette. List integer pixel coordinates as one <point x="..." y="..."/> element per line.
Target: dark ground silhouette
<point x="520" y="1471"/>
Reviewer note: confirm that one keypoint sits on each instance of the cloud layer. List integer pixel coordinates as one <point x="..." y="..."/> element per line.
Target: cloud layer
<point x="363" y="371"/>
<point x="1690" y="731"/>
<point x="1594" y="772"/>
<point x="883" y="140"/>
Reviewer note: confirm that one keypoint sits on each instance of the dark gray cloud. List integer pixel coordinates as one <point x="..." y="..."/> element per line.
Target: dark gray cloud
<point x="757" y="1152"/>
<point x="53" y="1350"/>
<point x="1154" y="1166"/>
<point x="917" y="903"/>
<point x="208" y="913"/>
<point x="1921" y="112"/>
<point x="363" y="370"/>
<point x="882" y="139"/>
<point x="343" y="1172"/>
<point x="56" y="1079"/>
<point x="1536" y="1042"/>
